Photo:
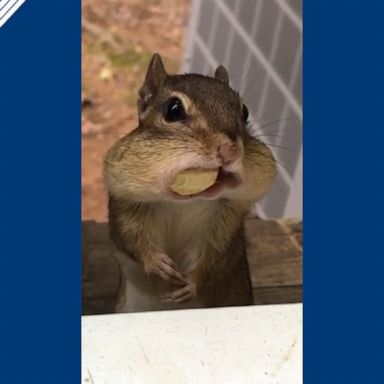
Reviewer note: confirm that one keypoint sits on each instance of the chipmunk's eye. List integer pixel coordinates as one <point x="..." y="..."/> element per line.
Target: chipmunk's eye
<point x="174" y="110"/>
<point x="245" y="113"/>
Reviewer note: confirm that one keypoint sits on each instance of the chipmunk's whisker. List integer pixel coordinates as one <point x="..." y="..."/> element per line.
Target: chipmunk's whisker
<point x="278" y="146"/>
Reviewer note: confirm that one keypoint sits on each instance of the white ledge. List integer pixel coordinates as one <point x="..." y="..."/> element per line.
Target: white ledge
<point x="257" y="344"/>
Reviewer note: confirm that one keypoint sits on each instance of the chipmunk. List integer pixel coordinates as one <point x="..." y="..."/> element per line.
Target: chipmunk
<point x="177" y="250"/>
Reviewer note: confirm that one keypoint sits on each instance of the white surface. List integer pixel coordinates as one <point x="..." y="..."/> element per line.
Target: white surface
<point x="258" y="345"/>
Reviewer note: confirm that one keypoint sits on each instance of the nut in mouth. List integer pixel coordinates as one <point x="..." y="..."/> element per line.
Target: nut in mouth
<point x="215" y="181"/>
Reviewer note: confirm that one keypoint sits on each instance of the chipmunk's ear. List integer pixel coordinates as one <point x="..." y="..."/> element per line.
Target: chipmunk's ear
<point x="221" y="74"/>
<point x="156" y="74"/>
<point x="154" y="78"/>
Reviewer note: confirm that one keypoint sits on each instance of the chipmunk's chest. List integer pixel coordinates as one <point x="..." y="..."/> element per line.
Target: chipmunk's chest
<point x="181" y="230"/>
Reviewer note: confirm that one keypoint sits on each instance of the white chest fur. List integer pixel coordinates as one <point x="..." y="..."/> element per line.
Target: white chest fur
<point x="180" y="229"/>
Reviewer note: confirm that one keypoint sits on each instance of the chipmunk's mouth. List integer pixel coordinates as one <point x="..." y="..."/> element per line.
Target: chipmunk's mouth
<point x="223" y="180"/>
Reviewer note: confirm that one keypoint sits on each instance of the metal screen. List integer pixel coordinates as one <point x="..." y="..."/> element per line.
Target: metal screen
<point x="260" y="43"/>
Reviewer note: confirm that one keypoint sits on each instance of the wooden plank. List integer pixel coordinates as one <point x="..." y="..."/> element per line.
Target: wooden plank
<point x="277" y="295"/>
<point x="98" y="306"/>
<point x="274" y="254"/>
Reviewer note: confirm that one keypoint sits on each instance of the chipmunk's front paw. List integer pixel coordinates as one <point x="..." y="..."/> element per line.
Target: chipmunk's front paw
<point x="163" y="266"/>
<point x="180" y="295"/>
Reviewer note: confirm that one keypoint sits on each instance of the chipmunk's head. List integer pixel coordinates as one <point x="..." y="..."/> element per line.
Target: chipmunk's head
<point x="191" y="104"/>
<point x="192" y="121"/>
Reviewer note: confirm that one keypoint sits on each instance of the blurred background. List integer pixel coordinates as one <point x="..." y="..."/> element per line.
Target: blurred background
<point x="259" y="41"/>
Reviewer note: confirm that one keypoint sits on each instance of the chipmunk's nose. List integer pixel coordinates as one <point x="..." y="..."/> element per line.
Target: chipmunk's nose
<point x="228" y="150"/>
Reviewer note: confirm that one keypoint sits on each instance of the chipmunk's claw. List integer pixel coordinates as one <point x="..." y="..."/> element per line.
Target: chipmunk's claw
<point x="164" y="267"/>
<point x="180" y="295"/>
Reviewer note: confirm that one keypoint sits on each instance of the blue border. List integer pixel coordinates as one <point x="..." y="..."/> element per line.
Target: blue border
<point x="343" y="194"/>
<point x="40" y="252"/>
<point x="343" y="199"/>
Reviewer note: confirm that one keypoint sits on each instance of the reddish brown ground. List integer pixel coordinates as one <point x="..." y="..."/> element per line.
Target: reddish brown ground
<point x="119" y="37"/>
